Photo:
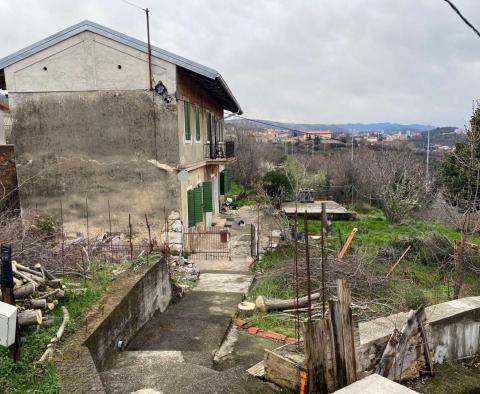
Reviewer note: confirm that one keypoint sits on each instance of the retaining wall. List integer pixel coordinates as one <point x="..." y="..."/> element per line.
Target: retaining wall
<point x="152" y="292"/>
<point x="453" y="331"/>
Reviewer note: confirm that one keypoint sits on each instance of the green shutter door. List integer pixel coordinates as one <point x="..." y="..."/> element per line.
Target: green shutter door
<point x="207" y="197"/>
<point x="191" y="208"/>
<point x="198" y="195"/>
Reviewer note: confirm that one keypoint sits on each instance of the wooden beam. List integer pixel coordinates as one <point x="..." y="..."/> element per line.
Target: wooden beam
<point x="316" y="345"/>
<point x="347" y="243"/>
<point x="398" y="261"/>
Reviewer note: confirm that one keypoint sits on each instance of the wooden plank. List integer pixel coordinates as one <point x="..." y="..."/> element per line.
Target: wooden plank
<point x="426" y="349"/>
<point x="347" y="243"/>
<point x="345" y="299"/>
<point x="257" y="370"/>
<point x="388" y="355"/>
<point x="337" y="342"/>
<point x="282" y="371"/>
<point x="314" y="334"/>
<point x="398" y="261"/>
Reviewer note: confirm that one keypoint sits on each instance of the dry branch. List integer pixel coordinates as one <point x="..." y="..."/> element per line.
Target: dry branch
<point x="53" y="342"/>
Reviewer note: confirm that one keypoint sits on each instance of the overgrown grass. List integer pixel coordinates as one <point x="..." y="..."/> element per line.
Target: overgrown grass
<point x="423" y="277"/>
<point x="27" y="376"/>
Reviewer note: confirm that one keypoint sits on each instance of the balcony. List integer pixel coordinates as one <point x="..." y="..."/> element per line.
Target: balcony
<point x="220" y="151"/>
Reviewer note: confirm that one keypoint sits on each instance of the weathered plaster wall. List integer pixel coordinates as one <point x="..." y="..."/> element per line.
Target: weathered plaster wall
<point x="97" y="144"/>
<point x="188" y="89"/>
<point x="84" y="62"/>
<point x="2" y="127"/>
<point x="9" y="196"/>
<point x="149" y="294"/>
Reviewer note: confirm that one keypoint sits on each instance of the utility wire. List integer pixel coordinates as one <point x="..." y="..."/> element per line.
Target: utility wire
<point x="457" y="11"/>
<point x="134" y="5"/>
<point x="270" y="124"/>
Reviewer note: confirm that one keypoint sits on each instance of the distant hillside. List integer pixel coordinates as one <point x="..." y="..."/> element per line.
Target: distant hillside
<point x="259" y="124"/>
<point x="439" y="136"/>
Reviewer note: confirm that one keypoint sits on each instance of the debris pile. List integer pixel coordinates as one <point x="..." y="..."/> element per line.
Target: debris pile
<point x="172" y="233"/>
<point x="36" y="293"/>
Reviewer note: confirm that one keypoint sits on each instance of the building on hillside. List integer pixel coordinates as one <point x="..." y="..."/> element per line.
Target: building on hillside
<point x="87" y="124"/>
<point x="310" y="135"/>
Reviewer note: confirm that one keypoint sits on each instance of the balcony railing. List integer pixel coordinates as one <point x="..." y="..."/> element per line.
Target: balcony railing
<point x="220" y="150"/>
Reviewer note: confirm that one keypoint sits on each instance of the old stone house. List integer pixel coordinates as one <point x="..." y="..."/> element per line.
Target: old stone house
<point x="86" y="124"/>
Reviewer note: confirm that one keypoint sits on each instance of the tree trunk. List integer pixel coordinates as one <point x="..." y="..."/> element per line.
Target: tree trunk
<point x="265" y="304"/>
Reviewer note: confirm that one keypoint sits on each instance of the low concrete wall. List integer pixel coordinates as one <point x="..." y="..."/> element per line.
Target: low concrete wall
<point x="453" y="331"/>
<point x="152" y="292"/>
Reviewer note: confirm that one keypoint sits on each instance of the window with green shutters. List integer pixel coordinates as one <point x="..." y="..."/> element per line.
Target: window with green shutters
<point x="198" y="204"/>
<point x="197" y="124"/>
<point x="186" y="116"/>
<point x="207" y="196"/>
<point x="191" y="208"/>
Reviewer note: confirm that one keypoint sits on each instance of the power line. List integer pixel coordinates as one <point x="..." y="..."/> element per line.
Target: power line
<point x="133" y="5"/>
<point x="457" y="11"/>
<point x="270" y="124"/>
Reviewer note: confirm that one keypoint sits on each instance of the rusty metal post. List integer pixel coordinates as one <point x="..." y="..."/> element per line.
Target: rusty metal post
<point x="295" y="259"/>
<point x="307" y="261"/>
<point x="130" y="237"/>
<point x="63" y="239"/>
<point x="88" y="230"/>
<point x="110" y="230"/>
<point x="149" y="240"/>
<point x="6" y="285"/>
<point x="324" y="257"/>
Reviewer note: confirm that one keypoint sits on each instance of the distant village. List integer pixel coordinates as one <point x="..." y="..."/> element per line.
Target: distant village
<point x="327" y="139"/>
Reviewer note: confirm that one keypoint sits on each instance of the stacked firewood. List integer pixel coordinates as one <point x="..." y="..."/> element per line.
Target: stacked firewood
<point x="36" y="292"/>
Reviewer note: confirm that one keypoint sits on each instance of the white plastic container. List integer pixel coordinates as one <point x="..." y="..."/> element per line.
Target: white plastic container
<point x="8" y="324"/>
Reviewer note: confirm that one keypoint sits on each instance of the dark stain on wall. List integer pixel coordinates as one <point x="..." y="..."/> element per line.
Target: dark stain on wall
<point x="9" y="196"/>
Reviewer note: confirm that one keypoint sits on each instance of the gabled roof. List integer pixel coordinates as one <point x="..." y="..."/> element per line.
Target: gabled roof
<point x="209" y="78"/>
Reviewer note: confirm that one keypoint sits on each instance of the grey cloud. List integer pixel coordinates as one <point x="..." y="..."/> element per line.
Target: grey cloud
<point x="305" y="61"/>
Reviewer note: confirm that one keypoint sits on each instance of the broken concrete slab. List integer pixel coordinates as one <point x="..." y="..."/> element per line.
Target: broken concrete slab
<point x="375" y="384"/>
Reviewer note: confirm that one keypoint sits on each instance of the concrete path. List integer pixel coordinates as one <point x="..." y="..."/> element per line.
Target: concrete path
<point x="174" y="352"/>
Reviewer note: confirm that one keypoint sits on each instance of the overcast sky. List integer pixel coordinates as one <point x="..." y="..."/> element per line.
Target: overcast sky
<point x="324" y="61"/>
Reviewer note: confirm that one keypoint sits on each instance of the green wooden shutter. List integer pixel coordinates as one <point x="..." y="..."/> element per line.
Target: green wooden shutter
<point x="209" y="127"/>
<point x="186" y="116"/>
<point x="207" y="196"/>
<point x="197" y="124"/>
<point x="225" y="179"/>
<point x="222" y="183"/>
<point x="198" y="197"/>
<point x="191" y="208"/>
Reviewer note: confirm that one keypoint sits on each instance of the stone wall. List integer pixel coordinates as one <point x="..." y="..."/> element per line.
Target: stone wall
<point x="120" y="147"/>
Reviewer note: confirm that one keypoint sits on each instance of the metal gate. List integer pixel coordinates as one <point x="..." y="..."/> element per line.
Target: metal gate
<point x="207" y="244"/>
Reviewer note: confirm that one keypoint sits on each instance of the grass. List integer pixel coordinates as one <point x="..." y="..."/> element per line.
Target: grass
<point x="419" y="280"/>
<point x="27" y="376"/>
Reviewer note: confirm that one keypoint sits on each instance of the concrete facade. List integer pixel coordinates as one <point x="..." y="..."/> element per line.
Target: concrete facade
<point x="86" y="125"/>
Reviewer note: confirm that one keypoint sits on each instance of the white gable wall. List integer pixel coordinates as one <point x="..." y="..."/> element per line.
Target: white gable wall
<point x="87" y="62"/>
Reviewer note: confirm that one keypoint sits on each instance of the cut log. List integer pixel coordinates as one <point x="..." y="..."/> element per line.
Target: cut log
<point x="48" y="275"/>
<point x="55" y="283"/>
<point x="23" y="268"/>
<point x="245" y="309"/>
<point x="48" y="321"/>
<point x="265" y="304"/>
<point x="17" y="282"/>
<point x="40" y="304"/>
<point x="24" y="291"/>
<point x="30" y="317"/>
<point x="57" y="293"/>
<point x="24" y="275"/>
<point x="53" y="342"/>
